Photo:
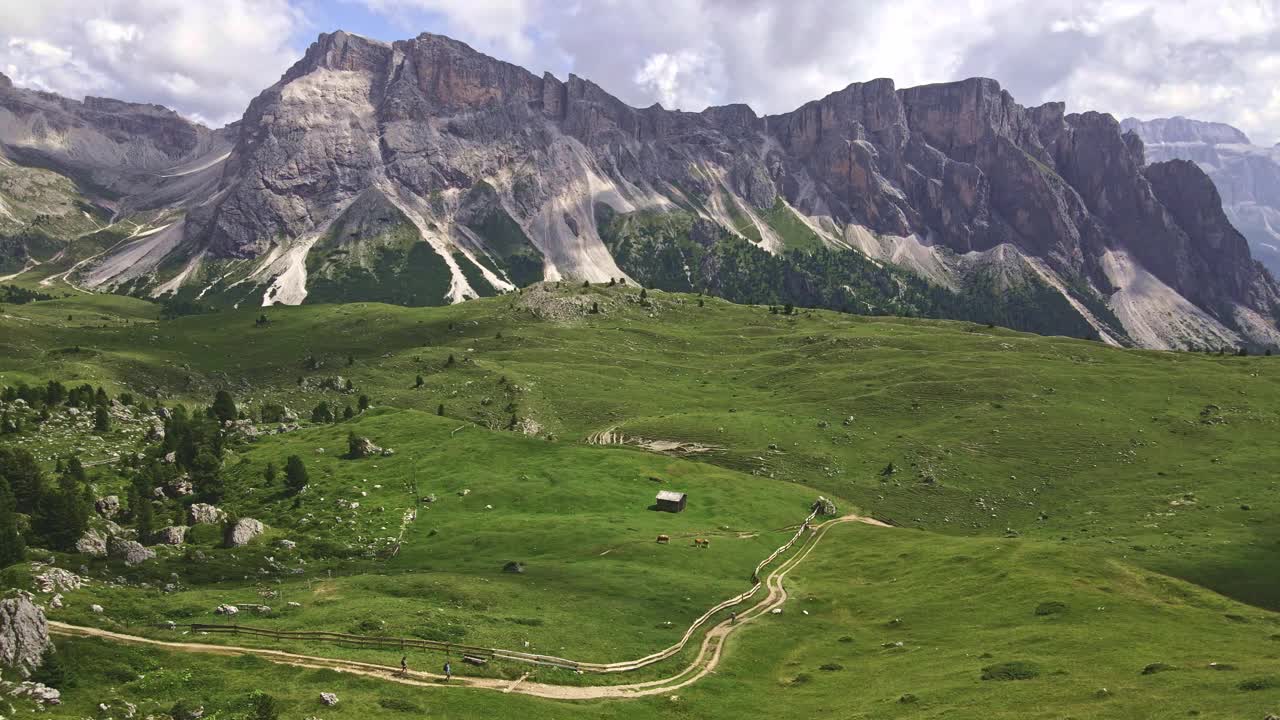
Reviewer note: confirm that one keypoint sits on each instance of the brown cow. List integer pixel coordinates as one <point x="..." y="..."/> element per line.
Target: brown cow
<point x="702" y="542"/>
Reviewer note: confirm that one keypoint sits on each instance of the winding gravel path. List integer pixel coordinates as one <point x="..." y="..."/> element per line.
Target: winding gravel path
<point x="708" y="658"/>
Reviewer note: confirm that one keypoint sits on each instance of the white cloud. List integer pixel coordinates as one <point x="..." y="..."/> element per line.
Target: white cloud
<point x="1213" y="59"/>
<point x="681" y="80"/>
<point x="206" y="59"/>
<point x="499" y="25"/>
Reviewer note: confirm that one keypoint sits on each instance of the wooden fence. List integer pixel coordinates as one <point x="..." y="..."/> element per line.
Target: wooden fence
<point x="402" y="644"/>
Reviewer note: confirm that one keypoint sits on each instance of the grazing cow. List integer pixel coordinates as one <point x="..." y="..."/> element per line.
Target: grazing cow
<point x="702" y="542"/>
<point x="664" y="539"/>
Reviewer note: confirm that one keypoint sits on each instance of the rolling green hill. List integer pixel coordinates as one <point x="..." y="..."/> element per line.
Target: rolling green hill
<point x="1065" y="509"/>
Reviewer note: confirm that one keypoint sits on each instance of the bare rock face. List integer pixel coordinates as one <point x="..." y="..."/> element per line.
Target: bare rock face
<point x="1246" y="176"/>
<point x="174" y="535"/>
<point x="204" y="514"/>
<point x="471" y="158"/>
<point x="243" y="531"/>
<point x="131" y="552"/>
<point x="24" y="634"/>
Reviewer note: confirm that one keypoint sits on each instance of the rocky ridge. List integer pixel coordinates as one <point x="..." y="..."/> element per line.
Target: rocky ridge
<point x="429" y="172"/>
<point x="1247" y="176"/>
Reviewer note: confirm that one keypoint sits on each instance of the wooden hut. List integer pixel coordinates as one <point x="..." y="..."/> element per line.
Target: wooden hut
<point x="671" y="501"/>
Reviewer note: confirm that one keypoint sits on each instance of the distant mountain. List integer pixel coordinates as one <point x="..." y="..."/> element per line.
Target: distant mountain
<point x="1246" y="175"/>
<point x="423" y="172"/>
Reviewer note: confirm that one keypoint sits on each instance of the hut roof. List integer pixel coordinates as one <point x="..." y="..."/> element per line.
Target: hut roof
<point x="670" y="495"/>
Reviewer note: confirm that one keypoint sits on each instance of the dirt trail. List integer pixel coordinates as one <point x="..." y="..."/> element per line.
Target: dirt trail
<point x="709" y="652"/>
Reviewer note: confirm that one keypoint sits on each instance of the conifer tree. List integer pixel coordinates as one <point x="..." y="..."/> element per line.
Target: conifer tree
<point x="295" y="475"/>
<point x="12" y="546"/>
<point x="224" y="407"/>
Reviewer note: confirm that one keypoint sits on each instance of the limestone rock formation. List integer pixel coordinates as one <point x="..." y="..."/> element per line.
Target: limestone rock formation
<point x="24" y="633"/>
<point x="424" y="172"/>
<point x="1247" y="176"/>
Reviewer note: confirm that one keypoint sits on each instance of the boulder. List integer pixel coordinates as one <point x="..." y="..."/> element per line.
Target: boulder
<point x="93" y="542"/>
<point x="286" y="544"/>
<point x="172" y="535"/>
<point x="363" y="447"/>
<point x="155" y="433"/>
<point x="328" y="699"/>
<point x="204" y="514"/>
<point x="243" y="531"/>
<point x="24" y="634"/>
<point x="108" y="507"/>
<point x="131" y="552"/>
<point x="96" y="609"/>
<point x="226" y="610"/>
<point x="824" y="506"/>
<point x="55" y="602"/>
<point x="171" y="457"/>
<point x="39" y="693"/>
<point x="513" y="567"/>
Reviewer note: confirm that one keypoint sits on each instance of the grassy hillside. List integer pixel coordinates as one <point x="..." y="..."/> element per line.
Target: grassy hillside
<point x="1134" y="489"/>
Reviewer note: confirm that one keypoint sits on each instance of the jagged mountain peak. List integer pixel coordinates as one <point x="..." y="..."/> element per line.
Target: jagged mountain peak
<point x="436" y="173"/>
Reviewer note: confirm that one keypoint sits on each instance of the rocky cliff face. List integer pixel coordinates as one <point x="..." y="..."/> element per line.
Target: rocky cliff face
<point x="24" y="634"/>
<point x="1247" y="176"/>
<point x="422" y="171"/>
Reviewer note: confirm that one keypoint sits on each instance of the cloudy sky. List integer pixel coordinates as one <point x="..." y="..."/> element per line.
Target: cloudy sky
<point x="1214" y="60"/>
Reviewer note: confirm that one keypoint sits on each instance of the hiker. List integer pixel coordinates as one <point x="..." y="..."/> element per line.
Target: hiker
<point x="733" y="618"/>
<point x="448" y="671"/>
<point x="404" y="665"/>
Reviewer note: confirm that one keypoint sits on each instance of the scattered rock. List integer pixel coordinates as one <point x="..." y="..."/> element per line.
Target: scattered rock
<point x="58" y="580"/>
<point x="824" y="506"/>
<point x="226" y="610"/>
<point x="108" y="507"/>
<point x="38" y="693"/>
<point x="172" y="535"/>
<point x="328" y="699"/>
<point x="24" y="633"/>
<point x="513" y="567"/>
<point x="55" y="602"/>
<point x="243" y="531"/>
<point x="286" y="544"/>
<point x="131" y="552"/>
<point x="204" y="514"/>
<point x="171" y="457"/>
<point x="96" y="609"/>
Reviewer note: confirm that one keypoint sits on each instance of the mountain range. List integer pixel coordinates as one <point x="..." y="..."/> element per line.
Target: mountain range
<point x="424" y="172"/>
<point x="1246" y="175"/>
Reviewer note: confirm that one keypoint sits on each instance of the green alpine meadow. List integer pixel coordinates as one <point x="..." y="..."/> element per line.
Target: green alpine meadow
<point x="1051" y="525"/>
<point x="631" y="360"/>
